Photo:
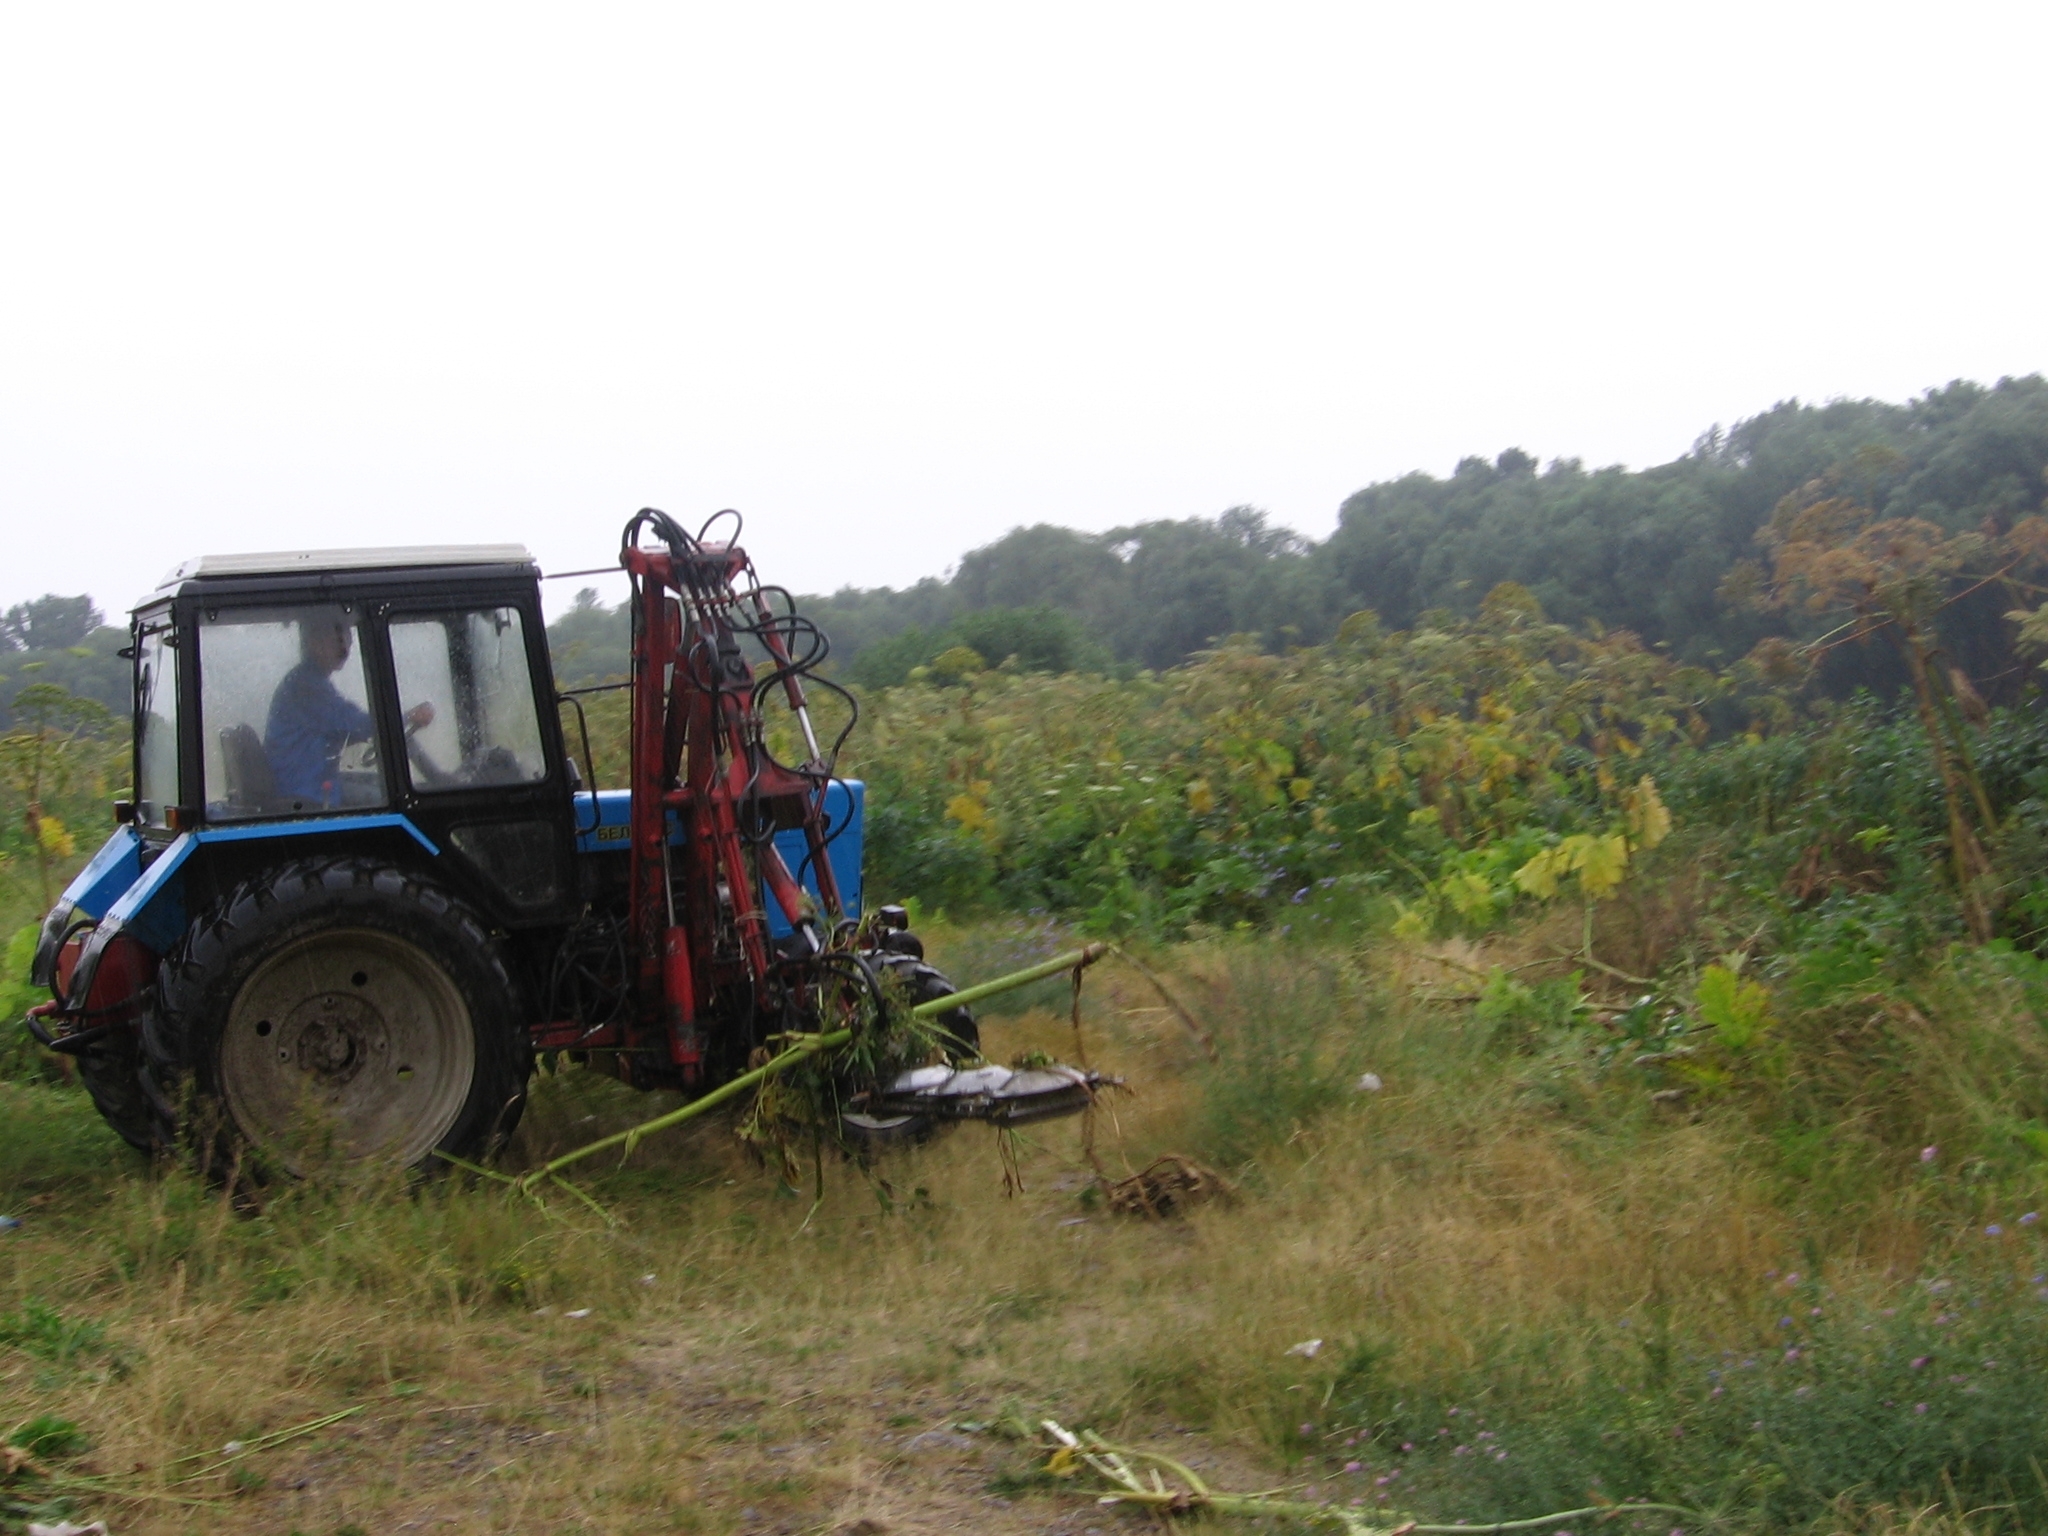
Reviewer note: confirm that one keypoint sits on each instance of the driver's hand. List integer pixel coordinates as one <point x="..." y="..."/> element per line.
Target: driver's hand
<point x="420" y="716"/>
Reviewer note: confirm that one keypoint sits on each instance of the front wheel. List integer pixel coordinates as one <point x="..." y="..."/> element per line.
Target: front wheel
<point x="339" y="1008"/>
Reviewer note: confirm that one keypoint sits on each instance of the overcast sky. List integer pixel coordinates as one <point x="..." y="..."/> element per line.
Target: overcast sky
<point x="892" y="279"/>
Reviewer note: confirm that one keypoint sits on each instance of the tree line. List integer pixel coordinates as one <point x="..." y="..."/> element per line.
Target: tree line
<point x="1660" y="552"/>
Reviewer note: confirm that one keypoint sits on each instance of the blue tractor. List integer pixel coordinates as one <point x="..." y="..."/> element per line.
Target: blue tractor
<point x="364" y="880"/>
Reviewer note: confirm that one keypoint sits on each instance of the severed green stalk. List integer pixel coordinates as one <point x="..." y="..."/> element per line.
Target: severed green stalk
<point x="1141" y="1484"/>
<point x="800" y="1048"/>
<point x="1072" y="960"/>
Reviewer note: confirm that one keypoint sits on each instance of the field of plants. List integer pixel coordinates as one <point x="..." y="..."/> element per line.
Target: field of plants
<point x="1615" y="1080"/>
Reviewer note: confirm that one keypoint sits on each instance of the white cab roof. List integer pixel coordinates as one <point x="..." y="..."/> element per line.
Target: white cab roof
<point x="283" y="562"/>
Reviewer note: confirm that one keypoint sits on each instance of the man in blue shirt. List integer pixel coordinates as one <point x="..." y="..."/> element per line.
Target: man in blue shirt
<point x="311" y="724"/>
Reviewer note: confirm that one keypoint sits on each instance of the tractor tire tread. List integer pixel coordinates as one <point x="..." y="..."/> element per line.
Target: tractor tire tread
<point x="109" y="1072"/>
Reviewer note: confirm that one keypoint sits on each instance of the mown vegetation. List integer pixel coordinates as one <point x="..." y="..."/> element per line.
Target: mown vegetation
<point x="1629" y="1061"/>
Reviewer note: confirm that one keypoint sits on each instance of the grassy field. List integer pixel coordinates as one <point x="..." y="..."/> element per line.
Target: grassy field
<point x="1536" y="1286"/>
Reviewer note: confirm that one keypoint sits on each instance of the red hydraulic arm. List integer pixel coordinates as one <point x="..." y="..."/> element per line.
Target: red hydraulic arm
<point x="708" y="795"/>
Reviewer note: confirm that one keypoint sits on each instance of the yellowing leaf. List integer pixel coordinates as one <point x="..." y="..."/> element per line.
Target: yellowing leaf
<point x="1540" y="875"/>
<point x="55" y="837"/>
<point x="1300" y="789"/>
<point x="1412" y="923"/>
<point x="968" y="811"/>
<point x="1201" y="798"/>
<point x="1601" y="863"/>
<point x="1649" y="823"/>
<point x="1470" y="896"/>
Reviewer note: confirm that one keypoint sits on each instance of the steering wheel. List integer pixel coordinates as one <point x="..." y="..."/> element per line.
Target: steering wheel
<point x="430" y="773"/>
<point x="484" y="766"/>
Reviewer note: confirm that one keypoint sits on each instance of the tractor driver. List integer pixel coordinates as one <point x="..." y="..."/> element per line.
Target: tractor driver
<point x="311" y="723"/>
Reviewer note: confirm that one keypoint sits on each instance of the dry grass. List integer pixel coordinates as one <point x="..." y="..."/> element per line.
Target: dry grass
<point x="749" y="1363"/>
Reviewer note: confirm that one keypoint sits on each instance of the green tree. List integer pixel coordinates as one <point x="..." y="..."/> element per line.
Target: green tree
<point x="50" y="623"/>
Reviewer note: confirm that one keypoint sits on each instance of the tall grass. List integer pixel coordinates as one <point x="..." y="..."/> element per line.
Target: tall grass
<point x="1507" y="1249"/>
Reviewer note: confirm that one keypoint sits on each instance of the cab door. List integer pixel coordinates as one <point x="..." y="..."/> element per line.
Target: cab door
<point x="481" y="756"/>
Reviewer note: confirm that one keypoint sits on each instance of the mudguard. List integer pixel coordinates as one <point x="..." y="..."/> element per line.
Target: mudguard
<point x="120" y="897"/>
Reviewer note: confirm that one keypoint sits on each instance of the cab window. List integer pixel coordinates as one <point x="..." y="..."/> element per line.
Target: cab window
<point x="463" y="678"/>
<point x="285" y="713"/>
<point x="156" y="722"/>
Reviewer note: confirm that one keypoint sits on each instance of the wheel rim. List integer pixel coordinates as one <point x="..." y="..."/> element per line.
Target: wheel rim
<point x="352" y="1036"/>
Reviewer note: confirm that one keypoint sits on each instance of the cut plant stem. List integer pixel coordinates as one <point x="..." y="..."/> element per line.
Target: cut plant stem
<point x="801" y="1048"/>
<point x="1073" y="959"/>
<point x="1113" y="1464"/>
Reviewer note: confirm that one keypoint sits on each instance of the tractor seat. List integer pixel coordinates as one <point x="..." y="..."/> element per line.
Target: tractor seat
<point x="251" y="787"/>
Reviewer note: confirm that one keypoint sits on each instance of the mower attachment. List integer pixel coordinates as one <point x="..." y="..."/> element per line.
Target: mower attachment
<point x="1004" y="1095"/>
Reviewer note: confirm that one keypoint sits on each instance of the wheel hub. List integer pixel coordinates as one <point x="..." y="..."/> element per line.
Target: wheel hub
<point x="334" y="1036"/>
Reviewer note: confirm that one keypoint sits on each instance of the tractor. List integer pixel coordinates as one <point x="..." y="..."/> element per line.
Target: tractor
<point x="364" y="882"/>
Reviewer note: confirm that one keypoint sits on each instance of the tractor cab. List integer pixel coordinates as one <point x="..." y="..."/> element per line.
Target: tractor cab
<point x="387" y="714"/>
<point x="404" y="692"/>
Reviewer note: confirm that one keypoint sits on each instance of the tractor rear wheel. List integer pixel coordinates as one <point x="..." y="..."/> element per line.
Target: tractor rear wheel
<point x="336" y="1009"/>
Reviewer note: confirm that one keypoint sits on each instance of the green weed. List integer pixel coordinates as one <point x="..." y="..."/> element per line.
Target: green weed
<point x="1295" y="1025"/>
<point x="46" y="1435"/>
<point x="42" y="1331"/>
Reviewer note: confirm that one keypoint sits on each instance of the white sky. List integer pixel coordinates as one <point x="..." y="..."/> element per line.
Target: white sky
<point x="892" y="279"/>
